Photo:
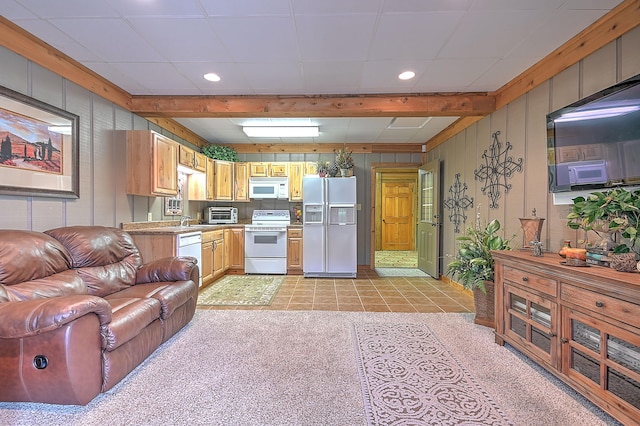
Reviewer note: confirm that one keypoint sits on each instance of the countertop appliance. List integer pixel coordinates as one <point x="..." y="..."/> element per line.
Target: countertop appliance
<point x="269" y="187"/>
<point x="190" y="244"/>
<point x="220" y="215"/>
<point x="265" y="242"/>
<point x="329" y="225"/>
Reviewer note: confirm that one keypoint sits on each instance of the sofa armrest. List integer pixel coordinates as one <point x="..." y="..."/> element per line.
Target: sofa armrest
<point x="169" y="269"/>
<point x="31" y="317"/>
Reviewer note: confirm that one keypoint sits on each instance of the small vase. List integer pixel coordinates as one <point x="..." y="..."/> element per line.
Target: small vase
<point x="563" y="250"/>
<point x="343" y="172"/>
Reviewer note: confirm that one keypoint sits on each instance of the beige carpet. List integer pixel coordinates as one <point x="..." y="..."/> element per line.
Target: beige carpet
<point x="241" y="290"/>
<point x="249" y="367"/>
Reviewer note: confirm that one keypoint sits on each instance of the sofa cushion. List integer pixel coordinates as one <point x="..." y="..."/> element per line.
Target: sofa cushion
<point x="129" y="317"/>
<point x="64" y="283"/>
<point x="107" y="259"/>
<point x="170" y="295"/>
<point x="28" y="255"/>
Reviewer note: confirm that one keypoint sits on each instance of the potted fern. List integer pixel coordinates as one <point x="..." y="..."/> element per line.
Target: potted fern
<point x="474" y="266"/>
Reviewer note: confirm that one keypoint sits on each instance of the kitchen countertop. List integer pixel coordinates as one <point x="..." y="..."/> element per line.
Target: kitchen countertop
<point x="172" y="227"/>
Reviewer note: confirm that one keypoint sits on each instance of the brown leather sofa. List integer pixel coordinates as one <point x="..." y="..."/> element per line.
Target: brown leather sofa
<point x="79" y="311"/>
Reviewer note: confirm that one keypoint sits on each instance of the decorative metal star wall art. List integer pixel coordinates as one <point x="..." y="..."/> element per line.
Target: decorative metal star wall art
<point x="498" y="167"/>
<point x="457" y="203"/>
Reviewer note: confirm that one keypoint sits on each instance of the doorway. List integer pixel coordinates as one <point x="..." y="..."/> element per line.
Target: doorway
<point x="394" y="216"/>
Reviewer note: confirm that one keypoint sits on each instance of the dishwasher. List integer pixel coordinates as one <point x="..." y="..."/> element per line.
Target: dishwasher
<point x="190" y="244"/>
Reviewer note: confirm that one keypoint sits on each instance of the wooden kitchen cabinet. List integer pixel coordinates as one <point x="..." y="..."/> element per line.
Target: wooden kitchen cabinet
<point x="227" y="249"/>
<point x="207" y="258"/>
<point x="236" y="250"/>
<point x="201" y="185"/>
<point x="296" y="172"/>
<point x="279" y="169"/>
<point x="212" y="255"/>
<point x="265" y="169"/>
<point x="187" y="157"/>
<point x="152" y="163"/>
<point x="259" y="169"/>
<point x="223" y="180"/>
<point x="310" y="168"/>
<point x="580" y="323"/>
<point x="294" y="251"/>
<point x="218" y="254"/>
<point x="240" y="181"/>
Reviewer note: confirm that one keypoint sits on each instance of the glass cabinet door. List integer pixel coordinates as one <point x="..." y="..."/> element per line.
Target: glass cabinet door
<point x="602" y="356"/>
<point x="531" y="320"/>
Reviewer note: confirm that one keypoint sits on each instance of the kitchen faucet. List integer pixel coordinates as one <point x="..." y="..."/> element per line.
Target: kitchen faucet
<point x="184" y="220"/>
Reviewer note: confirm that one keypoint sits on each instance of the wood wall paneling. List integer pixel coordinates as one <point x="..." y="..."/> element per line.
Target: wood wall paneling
<point x="629" y="60"/>
<point x="104" y="159"/>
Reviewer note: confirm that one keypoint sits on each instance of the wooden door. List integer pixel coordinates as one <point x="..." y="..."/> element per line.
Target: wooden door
<point x="397" y="216"/>
<point x="241" y="181"/>
<point x="428" y="232"/>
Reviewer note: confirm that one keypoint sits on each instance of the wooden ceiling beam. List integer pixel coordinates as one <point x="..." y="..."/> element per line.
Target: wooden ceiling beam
<point x="412" y="105"/>
<point x="325" y="148"/>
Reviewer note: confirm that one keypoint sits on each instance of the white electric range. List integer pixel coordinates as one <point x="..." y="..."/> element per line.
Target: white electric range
<point x="265" y="242"/>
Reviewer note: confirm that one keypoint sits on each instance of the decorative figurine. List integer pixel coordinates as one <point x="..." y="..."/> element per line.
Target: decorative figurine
<point x="537" y="247"/>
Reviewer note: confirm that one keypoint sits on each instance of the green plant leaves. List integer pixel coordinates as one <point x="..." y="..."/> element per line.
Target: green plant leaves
<point x="219" y="152"/>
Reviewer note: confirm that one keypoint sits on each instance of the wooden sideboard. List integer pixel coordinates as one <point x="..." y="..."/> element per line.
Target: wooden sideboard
<point x="580" y="323"/>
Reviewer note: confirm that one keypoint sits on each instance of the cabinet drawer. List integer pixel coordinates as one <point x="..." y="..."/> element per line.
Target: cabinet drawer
<point x="533" y="281"/>
<point x="609" y="306"/>
<point x="295" y="233"/>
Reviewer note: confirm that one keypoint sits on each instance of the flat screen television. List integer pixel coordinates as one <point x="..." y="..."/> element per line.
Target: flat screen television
<point x="594" y="144"/>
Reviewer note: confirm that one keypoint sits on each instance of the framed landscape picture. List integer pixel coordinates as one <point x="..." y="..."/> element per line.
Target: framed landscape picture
<point x="38" y="148"/>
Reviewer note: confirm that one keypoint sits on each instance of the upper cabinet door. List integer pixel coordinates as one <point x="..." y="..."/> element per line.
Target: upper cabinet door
<point x="152" y="163"/>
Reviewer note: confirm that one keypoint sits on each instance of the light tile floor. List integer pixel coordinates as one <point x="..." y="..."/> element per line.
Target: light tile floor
<point x="367" y="293"/>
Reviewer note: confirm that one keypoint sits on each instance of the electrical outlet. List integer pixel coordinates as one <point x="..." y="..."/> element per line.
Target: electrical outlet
<point x="149" y="217"/>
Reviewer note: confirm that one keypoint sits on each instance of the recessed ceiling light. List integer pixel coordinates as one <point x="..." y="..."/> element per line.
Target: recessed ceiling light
<point x="407" y="75"/>
<point x="211" y="76"/>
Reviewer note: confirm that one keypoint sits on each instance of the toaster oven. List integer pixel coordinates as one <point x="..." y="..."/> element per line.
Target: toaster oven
<point x="220" y="215"/>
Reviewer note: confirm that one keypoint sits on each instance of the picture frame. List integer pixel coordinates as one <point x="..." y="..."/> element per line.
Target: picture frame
<point x="39" y="148"/>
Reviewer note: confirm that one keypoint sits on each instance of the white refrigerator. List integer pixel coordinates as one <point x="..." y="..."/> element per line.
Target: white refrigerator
<point x="330" y="247"/>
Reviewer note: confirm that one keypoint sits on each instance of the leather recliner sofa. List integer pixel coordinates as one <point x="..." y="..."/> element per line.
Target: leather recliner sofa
<point x="79" y="311"/>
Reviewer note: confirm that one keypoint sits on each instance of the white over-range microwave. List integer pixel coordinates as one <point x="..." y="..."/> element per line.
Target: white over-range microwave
<point x="269" y="187"/>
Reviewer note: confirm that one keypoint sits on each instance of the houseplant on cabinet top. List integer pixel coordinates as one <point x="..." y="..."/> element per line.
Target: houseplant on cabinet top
<point x="473" y="266"/>
<point x="344" y="160"/>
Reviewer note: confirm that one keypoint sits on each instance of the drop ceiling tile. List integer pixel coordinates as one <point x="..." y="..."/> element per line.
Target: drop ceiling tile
<point x="126" y="82"/>
<point x="156" y="7"/>
<point x="245" y="7"/>
<point x="412" y="6"/>
<point x="380" y="76"/>
<point x="516" y="5"/>
<point x="501" y="71"/>
<point x="492" y="34"/>
<point x="63" y="42"/>
<point x="335" y="7"/>
<point x="416" y="36"/>
<point x="604" y="5"/>
<point x="160" y="78"/>
<point x="453" y="75"/>
<point x="335" y="38"/>
<point x="558" y="29"/>
<point x="13" y="11"/>
<point x="190" y="39"/>
<point x="121" y="45"/>
<point x="253" y="39"/>
<point x="273" y="78"/>
<point x="232" y="80"/>
<point x="332" y="77"/>
<point x="70" y="9"/>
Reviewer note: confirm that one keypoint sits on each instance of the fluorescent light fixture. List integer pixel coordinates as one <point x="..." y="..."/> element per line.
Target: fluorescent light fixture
<point x="281" y="131"/>
<point x="596" y="113"/>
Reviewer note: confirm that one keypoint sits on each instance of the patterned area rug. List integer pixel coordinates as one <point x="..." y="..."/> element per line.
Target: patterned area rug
<point x="396" y="259"/>
<point x="241" y="290"/>
<point x="410" y="378"/>
<point x="400" y="272"/>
